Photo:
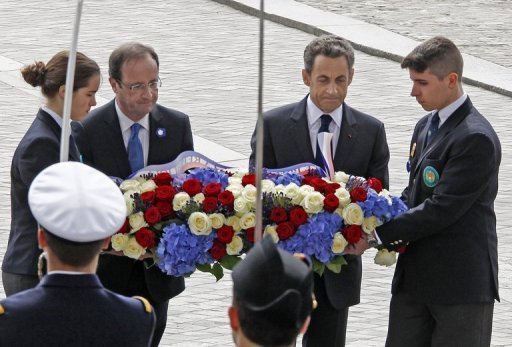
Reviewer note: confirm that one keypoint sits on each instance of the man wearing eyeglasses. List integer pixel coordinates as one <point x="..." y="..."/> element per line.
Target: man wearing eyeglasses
<point x="123" y="136"/>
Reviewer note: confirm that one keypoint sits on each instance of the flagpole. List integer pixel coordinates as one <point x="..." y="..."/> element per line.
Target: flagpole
<point x="70" y="77"/>
<point x="258" y="232"/>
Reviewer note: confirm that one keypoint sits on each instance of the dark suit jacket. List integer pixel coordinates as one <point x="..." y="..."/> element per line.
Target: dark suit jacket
<point x="101" y="143"/>
<point x="362" y="150"/>
<point x="451" y="227"/>
<point x="38" y="149"/>
<point x="74" y="310"/>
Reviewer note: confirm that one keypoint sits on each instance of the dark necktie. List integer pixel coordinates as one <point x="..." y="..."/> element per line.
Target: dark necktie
<point x="320" y="158"/>
<point x="432" y="130"/>
<point x="135" y="153"/>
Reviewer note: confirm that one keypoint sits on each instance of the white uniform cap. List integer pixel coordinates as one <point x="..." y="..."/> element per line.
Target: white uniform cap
<point x="76" y="202"/>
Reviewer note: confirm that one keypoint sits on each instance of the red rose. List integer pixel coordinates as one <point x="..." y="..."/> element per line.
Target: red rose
<point x="163" y="178"/>
<point x="307" y="180"/>
<point x="358" y="194"/>
<point x="145" y="237"/>
<point x="402" y="249"/>
<point x="212" y="189"/>
<point x="148" y="197"/>
<point x="285" y="230"/>
<point x="375" y="183"/>
<point x="192" y="186"/>
<point x="352" y="233"/>
<point x="125" y="228"/>
<point x="298" y="216"/>
<point x="250" y="234"/>
<point x="330" y="188"/>
<point x="249" y="179"/>
<point x="315" y="182"/>
<point x="331" y="202"/>
<point x="218" y="250"/>
<point x="152" y="215"/>
<point x="165" y="209"/>
<point x="165" y="193"/>
<point x="278" y="215"/>
<point x="225" y="234"/>
<point x="226" y="198"/>
<point x="209" y="204"/>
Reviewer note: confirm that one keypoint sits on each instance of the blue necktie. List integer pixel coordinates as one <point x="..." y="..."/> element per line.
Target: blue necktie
<point x="135" y="153"/>
<point x="324" y="128"/>
<point x="432" y="130"/>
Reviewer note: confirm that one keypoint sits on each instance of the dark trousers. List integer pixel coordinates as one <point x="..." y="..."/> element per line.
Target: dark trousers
<point x="15" y="283"/>
<point x="416" y="324"/>
<point x="328" y="326"/>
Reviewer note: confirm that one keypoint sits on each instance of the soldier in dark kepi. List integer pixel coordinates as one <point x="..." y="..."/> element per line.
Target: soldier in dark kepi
<point x="77" y="208"/>
<point x="272" y="297"/>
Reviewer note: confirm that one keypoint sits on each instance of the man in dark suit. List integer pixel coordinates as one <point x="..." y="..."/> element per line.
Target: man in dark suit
<point x="78" y="208"/>
<point x="446" y="281"/>
<point x="359" y="147"/>
<point x="105" y="141"/>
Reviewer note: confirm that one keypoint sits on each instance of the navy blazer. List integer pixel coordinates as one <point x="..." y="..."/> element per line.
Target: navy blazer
<point x="451" y="256"/>
<point x="362" y="150"/>
<point x="74" y="310"/>
<point x="38" y="149"/>
<point x="101" y="144"/>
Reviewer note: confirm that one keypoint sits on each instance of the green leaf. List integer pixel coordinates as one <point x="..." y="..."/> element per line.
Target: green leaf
<point x="229" y="261"/>
<point x="336" y="264"/>
<point x="217" y="271"/>
<point x="204" y="267"/>
<point x="318" y="267"/>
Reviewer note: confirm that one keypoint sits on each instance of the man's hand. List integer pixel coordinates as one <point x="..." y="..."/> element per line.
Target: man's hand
<point x="357" y="248"/>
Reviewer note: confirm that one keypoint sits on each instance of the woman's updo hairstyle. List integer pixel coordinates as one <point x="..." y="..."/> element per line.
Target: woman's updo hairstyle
<point x="52" y="75"/>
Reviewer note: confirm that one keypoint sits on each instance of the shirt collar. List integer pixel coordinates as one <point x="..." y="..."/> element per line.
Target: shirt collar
<point x="125" y="123"/>
<point x="447" y="111"/>
<point x="54" y="114"/>
<point x="314" y="113"/>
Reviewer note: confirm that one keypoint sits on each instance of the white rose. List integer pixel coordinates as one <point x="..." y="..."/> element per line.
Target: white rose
<point x="199" y="198"/>
<point x="235" y="189"/>
<point x="249" y="193"/>
<point x="240" y="172"/>
<point x="279" y="189"/>
<point x="292" y="191"/>
<point x="385" y="257"/>
<point x="234" y="180"/>
<point x="272" y="231"/>
<point x="133" y="249"/>
<point x="241" y="205"/>
<point x="235" y="246"/>
<point x="267" y="186"/>
<point x="180" y="200"/>
<point x="119" y="241"/>
<point x="385" y="193"/>
<point x="137" y="221"/>
<point x="343" y="195"/>
<point x="217" y="220"/>
<point x="128" y="195"/>
<point x="234" y="222"/>
<point x="313" y="202"/>
<point x="338" y="243"/>
<point x="148" y="186"/>
<point x="339" y="211"/>
<point x="248" y="220"/>
<point x="353" y="214"/>
<point x="199" y="223"/>
<point x="129" y="185"/>
<point x="130" y="206"/>
<point x="341" y="177"/>
<point x="369" y="224"/>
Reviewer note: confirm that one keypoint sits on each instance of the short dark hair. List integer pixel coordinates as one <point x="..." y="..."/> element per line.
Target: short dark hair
<point x="72" y="253"/>
<point x="438" y="54"/>
<point x="52" y="75"/>
<point x="126" y="52"/>
<point x="331" y="46"/>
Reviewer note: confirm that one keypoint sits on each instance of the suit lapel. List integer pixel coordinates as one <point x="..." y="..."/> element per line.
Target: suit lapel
<point x="114" y="137"/>
<point x="347" y="138"/>
<point x="299" y="127"/>
<point x="44" y="117"/>
<point x="156" y="125"/>
<point x="451" y="123"/>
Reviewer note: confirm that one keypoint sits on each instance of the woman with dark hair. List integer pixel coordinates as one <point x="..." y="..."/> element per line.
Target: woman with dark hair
<point x="38" y="149"/>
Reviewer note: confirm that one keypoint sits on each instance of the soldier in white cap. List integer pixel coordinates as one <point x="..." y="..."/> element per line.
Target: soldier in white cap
<point x="272" y="297"/>
<point x="78" y="208"/>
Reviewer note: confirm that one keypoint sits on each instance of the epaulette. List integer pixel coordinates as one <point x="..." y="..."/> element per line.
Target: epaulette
<point x="2" y="310"/>
<point x="147" y="306"/>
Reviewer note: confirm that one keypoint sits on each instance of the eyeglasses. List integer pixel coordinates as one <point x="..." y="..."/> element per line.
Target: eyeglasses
<point x="141" y="87"/>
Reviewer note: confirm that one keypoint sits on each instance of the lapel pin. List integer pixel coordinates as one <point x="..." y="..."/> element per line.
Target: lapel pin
<point x="161" y="132"/>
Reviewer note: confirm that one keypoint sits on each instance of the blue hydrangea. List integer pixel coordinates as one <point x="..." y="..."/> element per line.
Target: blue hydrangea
<point x="209" y="175"/>
<point x="179" y="250"/>
<point x="315" y="237"/>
